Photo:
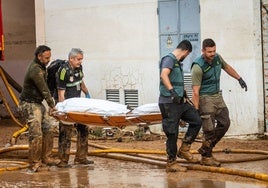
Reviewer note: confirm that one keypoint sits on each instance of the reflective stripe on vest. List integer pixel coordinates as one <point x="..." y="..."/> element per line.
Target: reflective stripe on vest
<point x="211" y="75"/>
<point x="73" y="83"/>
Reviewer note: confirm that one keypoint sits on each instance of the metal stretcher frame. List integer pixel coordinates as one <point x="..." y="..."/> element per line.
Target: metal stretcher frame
<point x="101" y="120"/>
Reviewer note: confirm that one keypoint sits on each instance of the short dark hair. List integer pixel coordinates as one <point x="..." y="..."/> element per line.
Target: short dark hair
<point x="208" y="43"/>
<point x="185" y="45"/>
<point x="41" y="49"/>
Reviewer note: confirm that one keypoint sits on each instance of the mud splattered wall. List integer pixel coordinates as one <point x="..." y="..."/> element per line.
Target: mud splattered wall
<point x="19" y="32"/>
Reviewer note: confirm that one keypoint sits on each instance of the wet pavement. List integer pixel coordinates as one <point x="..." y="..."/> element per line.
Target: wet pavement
<point x="114" y="174"/>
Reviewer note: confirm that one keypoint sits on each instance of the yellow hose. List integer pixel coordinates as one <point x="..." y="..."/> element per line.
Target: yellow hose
<point x="21" y="164"/>
<point x="128" y="151"/>
<point x="17" y="133"/>
<point x="255" y="175"/>
<point x="11" y="93"/>
<point x="14" y="98"/>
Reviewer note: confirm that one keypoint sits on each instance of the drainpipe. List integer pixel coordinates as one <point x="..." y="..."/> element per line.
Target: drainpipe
<point x="262" y="6"/>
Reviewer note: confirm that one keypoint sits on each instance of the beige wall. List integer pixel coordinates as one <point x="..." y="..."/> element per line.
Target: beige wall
<point x="120" y="40"/>
<point x="237" y="33"/>
<point x="19" y="32"/>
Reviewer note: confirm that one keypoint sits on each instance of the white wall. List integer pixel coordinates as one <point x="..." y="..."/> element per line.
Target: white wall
<point x="119" y="38"/>
<point x="237" y="33"/>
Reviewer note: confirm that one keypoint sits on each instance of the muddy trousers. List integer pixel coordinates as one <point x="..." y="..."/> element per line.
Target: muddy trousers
<point x="214" y="133"/>
<point x="40" y="131"/>
<point x="65" y="135"/>
<point x="171" y="115"/>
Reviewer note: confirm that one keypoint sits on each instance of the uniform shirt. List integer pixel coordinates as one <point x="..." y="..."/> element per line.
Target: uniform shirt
<point x="70" y="80"/>
<point x="35" y="87"/>
<point x="197" y="72"/>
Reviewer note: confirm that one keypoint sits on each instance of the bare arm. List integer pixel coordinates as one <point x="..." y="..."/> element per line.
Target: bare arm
<point x="84" y="88"/>
<point x="165" y="79"/>
<point x="230" y="70"/>
<point x="61" y="93"/>
<point x="195" y="98"/>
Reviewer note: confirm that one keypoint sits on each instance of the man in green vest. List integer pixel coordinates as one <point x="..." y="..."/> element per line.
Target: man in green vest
<point x="174" y="107"/>
<point x="207" y="98"/>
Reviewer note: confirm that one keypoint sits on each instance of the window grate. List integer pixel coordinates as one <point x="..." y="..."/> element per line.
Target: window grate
<point x="188" y="84"/>
<point x="112" y="95"/>
<point x="131" y="98"/>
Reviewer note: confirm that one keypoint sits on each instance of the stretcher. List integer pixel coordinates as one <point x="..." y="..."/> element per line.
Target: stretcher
<point x="117" y="120"/>
<point x="120" y="116"/>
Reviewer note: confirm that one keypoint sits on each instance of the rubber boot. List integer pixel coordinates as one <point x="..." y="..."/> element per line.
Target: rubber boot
<point x="210" y="161"/>
<point x="47" y="146"/>
<point x="64" y="143"/>
<point x="35" y="150"/>
<point x="82" y="146"/>
<point x="173" y="166"/>
<point x="184" y="153"/>
<point x="64" y="158"/>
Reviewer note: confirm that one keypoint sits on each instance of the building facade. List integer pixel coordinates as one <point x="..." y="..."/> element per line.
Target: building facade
<point x="123" y="41"/>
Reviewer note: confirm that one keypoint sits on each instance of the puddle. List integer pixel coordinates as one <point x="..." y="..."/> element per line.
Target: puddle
<point x="214" y="184"/>
<point x="114" y="174"/>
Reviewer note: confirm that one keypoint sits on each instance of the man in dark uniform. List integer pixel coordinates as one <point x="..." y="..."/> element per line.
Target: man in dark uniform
<point x="34" y="91"/>
<point x="70" y="84"/>
<point x="173" y="107"/>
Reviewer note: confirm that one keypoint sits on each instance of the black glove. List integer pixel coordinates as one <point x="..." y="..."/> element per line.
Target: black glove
<point x="175" y="97"/>
<point x="243" y="83"/>
<point x="185" y="94"/>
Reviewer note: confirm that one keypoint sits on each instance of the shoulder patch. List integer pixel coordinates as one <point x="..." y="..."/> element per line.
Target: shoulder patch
<point x="62" y="74"/>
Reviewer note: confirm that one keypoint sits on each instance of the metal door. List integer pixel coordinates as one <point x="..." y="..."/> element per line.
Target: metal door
<point x="179" y="20"/>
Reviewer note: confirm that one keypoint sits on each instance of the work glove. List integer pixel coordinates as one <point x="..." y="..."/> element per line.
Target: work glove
<point x="175" y="97"/>
<point x="88" y="95"/>
<point x="185" y="94"/>
<point x="243" y="83"/>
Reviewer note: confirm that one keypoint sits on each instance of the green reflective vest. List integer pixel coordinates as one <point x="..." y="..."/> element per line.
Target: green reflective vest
<point x="175" y="77"/>
<point x="211" y="75"/>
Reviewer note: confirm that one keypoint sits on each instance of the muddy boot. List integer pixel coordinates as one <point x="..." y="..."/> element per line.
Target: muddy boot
<point x="82" y="145"/>
<point x="83" y="161"/>
<point x="35" y="151"/>
<point x="47" y="146"/>
<point x="184" y="153"/>
<point x="34" y="167"/>
<point x="63" y="164"/>
<point x="210" y="161"/>
<point x="64" y="158"/>
<point x="173" y="166"/>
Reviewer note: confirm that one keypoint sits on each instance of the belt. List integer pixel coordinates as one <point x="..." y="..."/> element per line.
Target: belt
<point x="31" y="101"/>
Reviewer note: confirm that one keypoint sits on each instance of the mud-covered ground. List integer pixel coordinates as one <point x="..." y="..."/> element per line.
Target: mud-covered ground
<point x="121" y="172"/>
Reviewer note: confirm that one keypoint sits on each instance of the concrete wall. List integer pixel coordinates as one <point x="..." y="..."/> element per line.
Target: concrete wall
<point x="19" y="32"/>
<point x="119" y="38"/>
<point x="237" y="33"/>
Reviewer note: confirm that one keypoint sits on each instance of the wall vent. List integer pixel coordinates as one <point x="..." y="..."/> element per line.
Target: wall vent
<point x="188" y="84"/>
<point x="131" y="98"/>
<point x="113" y="95"/>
